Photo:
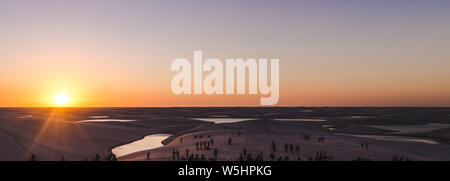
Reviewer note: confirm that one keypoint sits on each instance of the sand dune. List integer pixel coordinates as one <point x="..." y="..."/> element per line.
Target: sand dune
<point x="50" y="134"/>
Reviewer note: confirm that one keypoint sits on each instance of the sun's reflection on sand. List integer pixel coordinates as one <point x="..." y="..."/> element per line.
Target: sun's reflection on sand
<point x="58" y="126"/>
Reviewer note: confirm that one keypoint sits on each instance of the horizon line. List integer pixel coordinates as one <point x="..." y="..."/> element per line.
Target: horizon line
<point x="227" y="107"/>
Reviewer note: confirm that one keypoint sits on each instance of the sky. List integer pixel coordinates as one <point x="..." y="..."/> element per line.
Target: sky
<point x="113" y="53"/>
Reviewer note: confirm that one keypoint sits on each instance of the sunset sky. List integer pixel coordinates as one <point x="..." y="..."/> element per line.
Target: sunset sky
<point x="118" y="53"/>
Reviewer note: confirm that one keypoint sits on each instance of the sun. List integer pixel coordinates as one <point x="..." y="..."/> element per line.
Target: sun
<point x="61" y="99"/>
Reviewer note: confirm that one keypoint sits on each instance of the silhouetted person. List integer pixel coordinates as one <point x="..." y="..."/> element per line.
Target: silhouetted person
<point x="215" y="153"/>
<point x="33" y="157"/>
<point x="173" y="154"/>
<point x="97" y="157"/>
<point x="148" y="155"/>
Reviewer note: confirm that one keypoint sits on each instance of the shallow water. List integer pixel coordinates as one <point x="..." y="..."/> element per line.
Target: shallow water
<point x="104" y="120"/>
<point x="411" y="129"/>
<point x="360" y="117"/>
<point x="25" y="117"/>
<point x="308" y="110"/>
<point x="393" y="138"/>
<point x="97" y="117"/>
<point x="302" y="120"/>
<point x="223" y="120"/>
<point x="329" y="127"/>
<point x="146" y="143"/>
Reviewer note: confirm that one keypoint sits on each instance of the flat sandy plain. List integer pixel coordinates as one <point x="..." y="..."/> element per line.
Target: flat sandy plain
<point x="288" y="133"/>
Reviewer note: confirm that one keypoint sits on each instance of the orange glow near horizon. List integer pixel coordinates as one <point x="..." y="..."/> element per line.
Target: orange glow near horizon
<point x="158" y="94"/>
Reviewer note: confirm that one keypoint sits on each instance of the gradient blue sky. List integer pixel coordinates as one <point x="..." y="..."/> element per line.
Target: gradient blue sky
<point x="118" y="53"/>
